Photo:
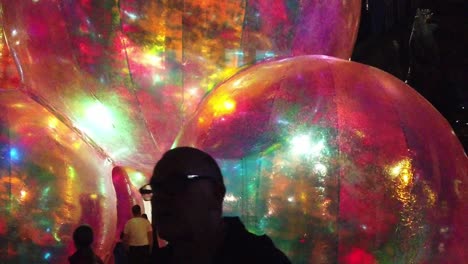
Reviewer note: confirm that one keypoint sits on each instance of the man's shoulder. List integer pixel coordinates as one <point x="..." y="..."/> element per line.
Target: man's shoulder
<point x="254" y="248"/>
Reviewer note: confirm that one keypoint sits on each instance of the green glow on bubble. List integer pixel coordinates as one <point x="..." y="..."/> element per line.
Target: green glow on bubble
<point x="71" y="172"/>
<point x="45" y="192"/>
<point x="137" y="178"/>
<point x="56" y="237"/>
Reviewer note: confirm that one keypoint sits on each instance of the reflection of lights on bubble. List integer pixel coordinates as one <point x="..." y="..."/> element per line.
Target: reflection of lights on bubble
<point x="14" y="32"/>
<point x="237" y="83"/>
<point x="152" y="60"/>
<point x="23" y="194"/>
<point x="132" y="16"/>
<point x="93" y="196"/>
<point x="402" y="170"/>
<point x="71" y="172"/>
<point x="269" y="54"/>
<point x="136" y="178"/>
<point x="230" y="198"/>
<point x="98" y="116"/>
<point x="193" y="91"/>
<point x="47" y="255"/>
<point x="52" y="122"/>
<point x="291" y="199"/>
<point x="14" y="154"/>
<point x="223" y="105"/>
<point x="303" y="145"/>
<point x="321" y="169"/>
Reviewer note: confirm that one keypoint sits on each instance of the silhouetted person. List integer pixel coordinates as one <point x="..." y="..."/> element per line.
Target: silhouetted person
<point x="138" y="237"/>
<point x="188" y="193"/>
<point x="120" y="254"/>
<point x="145" y="216"/>
<point x="83" y="238"/>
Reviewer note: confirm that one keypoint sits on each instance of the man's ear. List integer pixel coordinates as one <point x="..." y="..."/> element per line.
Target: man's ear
<point x="220" y="191"/>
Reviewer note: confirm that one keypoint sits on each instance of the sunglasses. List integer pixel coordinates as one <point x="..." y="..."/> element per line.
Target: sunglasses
<point x="175" y="185"/>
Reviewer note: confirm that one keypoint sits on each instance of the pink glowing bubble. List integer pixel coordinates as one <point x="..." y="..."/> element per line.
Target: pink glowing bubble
<point x="337" y="161"/>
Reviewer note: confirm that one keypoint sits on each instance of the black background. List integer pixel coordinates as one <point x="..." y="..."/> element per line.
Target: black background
<point x="435" y="51"/>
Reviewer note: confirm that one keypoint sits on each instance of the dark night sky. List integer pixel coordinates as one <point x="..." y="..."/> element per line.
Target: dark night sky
<point x="436" y="52"/>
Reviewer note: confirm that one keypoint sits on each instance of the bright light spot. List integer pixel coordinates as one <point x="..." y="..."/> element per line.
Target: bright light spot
<point x="136" y="178"/>
<point x="291" y="199"/>
<point x="71" y="172"/>
<point x="229" y="104"/>
<point x="93" y="196"/>
<point x="14" y="154"/>
<point x="23" y="194"/>
<point x="193" y="91"/>
<point x="152" y="60"/>
<point x="223" y="105"/>
<point x="237" y="83"/>
<point x="131" y="15"/>
<point x="303" y="145"/>
<point x="230" y="198"/>
<point x="269" y="54"/>
<point x="283" y="122"/>
<point x="14" y="32"/>
<point x="53" y="121"/>
<point x="47" y="255"/>
<point x="99" y="116"/>
<point x="17" y="42"/>
<point x="403" y="171"/>
<point x="321" y="169"/>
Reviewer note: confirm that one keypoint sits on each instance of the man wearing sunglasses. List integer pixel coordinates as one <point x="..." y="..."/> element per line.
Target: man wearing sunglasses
<point x="188" y="192"/>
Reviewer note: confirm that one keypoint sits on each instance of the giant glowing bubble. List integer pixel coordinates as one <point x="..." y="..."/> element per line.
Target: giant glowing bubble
<point x="337" y="162"/>
<point x="128" y="73"/>
<point x="51" y="181"/>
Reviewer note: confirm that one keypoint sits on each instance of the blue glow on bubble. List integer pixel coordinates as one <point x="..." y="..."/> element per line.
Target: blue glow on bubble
<point x="47" y="255"/>
<point x="14" y="154"/>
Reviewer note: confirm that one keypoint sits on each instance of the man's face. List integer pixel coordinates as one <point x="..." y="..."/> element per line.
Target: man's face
<point x="183" y="207"/>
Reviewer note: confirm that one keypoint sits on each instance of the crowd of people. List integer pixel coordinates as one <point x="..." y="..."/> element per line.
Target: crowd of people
<point x="187" y="196"/>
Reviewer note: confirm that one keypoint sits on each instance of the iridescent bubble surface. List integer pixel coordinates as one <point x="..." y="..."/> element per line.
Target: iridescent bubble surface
<point x="337" y="162"/>
<point x="51" y="181"/>
<point x="130" y="72"/>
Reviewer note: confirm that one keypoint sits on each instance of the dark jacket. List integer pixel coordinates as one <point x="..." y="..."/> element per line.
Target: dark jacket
<point x="84" y="256"/>
<point x="240" y="246"/>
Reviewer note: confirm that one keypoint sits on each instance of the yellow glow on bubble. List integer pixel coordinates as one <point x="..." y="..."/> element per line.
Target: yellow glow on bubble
<point x="93" y="196"/>
<point x="23" y="194"/>
<point x="151" y="60"/>
<point x="52" y="122"/>
<point x="430" y="194"/>
<point x="56" y="237"/>
<point x="223" y="105"/>
<point x="71" y="172"/>
<point x="402" y="171"/>
<point x="303" y="197"/>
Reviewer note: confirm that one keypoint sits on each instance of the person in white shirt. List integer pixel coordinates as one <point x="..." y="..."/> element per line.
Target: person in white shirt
<point x="138" y="237"/>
